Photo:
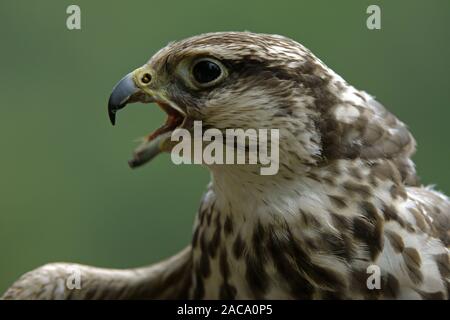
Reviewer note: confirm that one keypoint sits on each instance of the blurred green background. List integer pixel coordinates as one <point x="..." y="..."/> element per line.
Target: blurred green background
<point x="67" y="193"/>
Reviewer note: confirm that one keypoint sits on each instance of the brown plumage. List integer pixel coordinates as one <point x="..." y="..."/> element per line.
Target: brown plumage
<point x="346" y="196"/>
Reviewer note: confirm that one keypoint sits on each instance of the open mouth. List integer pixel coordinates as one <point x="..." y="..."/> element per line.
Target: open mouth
<point x="174" y="120"/>
<point x="126" y="92"/>
<point x="159" y="140"/>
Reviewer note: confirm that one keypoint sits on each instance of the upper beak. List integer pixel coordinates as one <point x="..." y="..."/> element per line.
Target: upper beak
<point x="124" y="92"/>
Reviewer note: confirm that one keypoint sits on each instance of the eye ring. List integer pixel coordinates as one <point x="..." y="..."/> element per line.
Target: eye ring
<point x="206" y="72"/>
<point x="146" y="78"/>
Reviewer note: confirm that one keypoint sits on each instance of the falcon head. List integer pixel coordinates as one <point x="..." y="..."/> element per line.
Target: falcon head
<point x="247" y="80"/>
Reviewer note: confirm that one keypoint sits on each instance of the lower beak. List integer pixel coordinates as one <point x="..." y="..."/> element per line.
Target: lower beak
<point x="124" y="92"/>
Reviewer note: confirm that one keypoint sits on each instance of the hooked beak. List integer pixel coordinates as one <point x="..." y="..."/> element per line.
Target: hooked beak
<point x="127" y="91"/>
<point x="124" y="92"/>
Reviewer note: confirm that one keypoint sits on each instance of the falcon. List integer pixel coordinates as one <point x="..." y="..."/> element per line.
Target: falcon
<point x="345" y="217"/>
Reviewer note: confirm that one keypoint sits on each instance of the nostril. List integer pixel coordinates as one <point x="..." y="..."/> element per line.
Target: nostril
<point x="146" y="78"/>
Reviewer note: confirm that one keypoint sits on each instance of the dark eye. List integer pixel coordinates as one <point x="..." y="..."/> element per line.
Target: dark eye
<point x="206" y="71"/>
<point x="146" y="78"/>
